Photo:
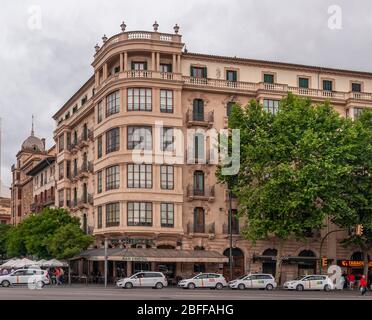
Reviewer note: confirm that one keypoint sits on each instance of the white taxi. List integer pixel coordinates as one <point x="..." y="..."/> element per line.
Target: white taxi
<point x="204" y="280"/>
<point x="310" y="282"/>
<point x="144" y="279"/>
<point x="36" y="277"/>
<point x="254" y="281"/>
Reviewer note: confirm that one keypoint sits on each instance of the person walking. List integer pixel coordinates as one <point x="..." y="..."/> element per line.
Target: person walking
<point x="363" y="285"/>
<point x="351" y="280"/>
<point x="57" y="274"/>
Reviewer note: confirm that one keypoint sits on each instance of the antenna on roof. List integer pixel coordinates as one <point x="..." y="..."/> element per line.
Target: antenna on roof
<point x="32" y="129"/>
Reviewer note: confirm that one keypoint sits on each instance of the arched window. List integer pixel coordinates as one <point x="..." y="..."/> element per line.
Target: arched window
<point x="199" y="220"/>
<point x="199" y="183"/>
<point x="198" y="110"/>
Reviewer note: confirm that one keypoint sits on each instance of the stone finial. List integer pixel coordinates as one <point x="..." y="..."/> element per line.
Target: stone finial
<point x="185" y="50"/>
<point x="123" y="26"/>
<point x="156" y="26"/>
<point x="176" y="28"/>
<point x="104" y="38"/>
<point x="97" y="47"/>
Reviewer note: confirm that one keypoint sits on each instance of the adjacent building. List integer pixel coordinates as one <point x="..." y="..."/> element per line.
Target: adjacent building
<point x="164" y="216"/>
<point x="5" y="215"/>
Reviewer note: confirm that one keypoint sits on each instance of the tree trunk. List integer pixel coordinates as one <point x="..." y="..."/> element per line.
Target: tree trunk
<point x="279" y="259"/>
<point x="365" y="263"/>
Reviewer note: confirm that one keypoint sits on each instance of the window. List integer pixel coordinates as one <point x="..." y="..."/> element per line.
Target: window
<point x="68" y="169"/>
<point x="75" y="197"/>
<point x="167" y="139"/>
<point x="356" y="87"/>
<point x="99" y="217"/>
<point x="99" y="112"/>
<point x="303" y="83"/>
<point x="113" y="103"/>
<point x="357" y="112"/>
<point x="61" y="171"/>
<point x="235" y="222"/>
<point x="199" y="147"/>
<point x="268" y="78"/>
<point x="84" y="100"/>
<point x="139" y="176"/>
<point x="85" y="132"/>
<point x="198" y="72"/>
<point x="139" y="66"/>
<point x="75" y="137"/>
<point x="199" y="220"/>
<point x="112" y="140"/>
<point x="61" y="142"/>
<point x="42" y="180"/>
<point x="112" y="178"/>
<point x="139" y="138"/>
<point x="231" y="75"/>
<point x="165" y="67"/>
<point x="198" y="110"/>
<point x="139" y="99"/>
<point x="271" y="106"/>
<point x="327" y="85"/>
<point x="68" y="197"/>
<point x="139" y="214"/>
<point x="74" y="109"/>
<point x="75" y="168"/>
<point x="199" y="183"/>
<point x="61" y="198"/>
<point x="85" y="193"/>
<point x="166" y="101"/>
<point x="99" y="147"/>
<point x="167" y="177"/>
<point x="167" y="215"/>
<point x="229" y="108"/>
<point x="113" y="214"/>
<point x="99" y="182"/>
<point x="68" y="140"/>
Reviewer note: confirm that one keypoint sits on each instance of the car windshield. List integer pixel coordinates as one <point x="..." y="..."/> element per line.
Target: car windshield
<point x="241" y="277"/>
<point x="300" y="277"/>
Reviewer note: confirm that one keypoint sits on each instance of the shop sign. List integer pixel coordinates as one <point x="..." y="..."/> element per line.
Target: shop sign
<point x="353" y="263"/>
<point x="135" y="259"/>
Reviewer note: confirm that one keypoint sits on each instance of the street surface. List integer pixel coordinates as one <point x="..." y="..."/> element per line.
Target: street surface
<point x="95" y="292"/>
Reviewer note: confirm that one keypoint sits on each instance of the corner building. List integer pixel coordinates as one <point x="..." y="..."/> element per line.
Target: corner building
<point x="175" y="217"/>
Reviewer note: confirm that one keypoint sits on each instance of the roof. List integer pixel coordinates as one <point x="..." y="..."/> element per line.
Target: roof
<point x="153" y="255"/>
<point x="41" y="165"/>
<point x="33" y="143"/>
<point x="277" y="64"/>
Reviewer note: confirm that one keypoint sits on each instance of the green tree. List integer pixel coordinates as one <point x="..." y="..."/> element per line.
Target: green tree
<point x="355" y="188"/>
<point x="4" y="231"/>
<point x="37" y="235"/>
<point x="289" y="169"/>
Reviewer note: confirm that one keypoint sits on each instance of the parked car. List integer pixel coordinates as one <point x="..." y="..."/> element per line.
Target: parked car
<point x="36" y="277"/>
<point x="204" y="280"/>
<point x="310" y="282"/>
<point x="254" y="281"/>
<point x="144" y="279"/>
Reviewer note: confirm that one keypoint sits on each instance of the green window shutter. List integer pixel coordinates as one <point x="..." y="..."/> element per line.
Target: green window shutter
<point x="145" y="65"/>
<point x="205" y="72"/>
<point x="132" y="68"/>
<point x="170" y="68"/>
<point x="191" y="69"/>
<point x="235" y="76"/>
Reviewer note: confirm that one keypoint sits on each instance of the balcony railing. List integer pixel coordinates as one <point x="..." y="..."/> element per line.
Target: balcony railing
<point x="84" y="201"/>
<point x="226" y="229"/>
<point x="86" y="167"/>
<point x="199" y="119"/>
<point x="201" y="228"/>
<point x="203" y="194"/>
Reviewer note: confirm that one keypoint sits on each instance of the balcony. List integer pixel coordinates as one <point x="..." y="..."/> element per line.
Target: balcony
<point x="226" y="229"/>
<point x="85" y="138"/>
<point x="256" y="87"/>
<point x="199" y="119"/>
<point x="84" y="202"/>
<point x="201" y="228"/>
<point x="85" y="169"/>
<point x="198" y="194"/>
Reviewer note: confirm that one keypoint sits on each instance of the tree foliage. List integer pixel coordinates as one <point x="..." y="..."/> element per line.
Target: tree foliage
<point x="4" y="231"/>
<point x="51" y="234"/>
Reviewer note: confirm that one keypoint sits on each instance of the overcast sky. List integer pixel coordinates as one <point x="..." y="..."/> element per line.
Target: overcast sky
<point x="40" y="68"/>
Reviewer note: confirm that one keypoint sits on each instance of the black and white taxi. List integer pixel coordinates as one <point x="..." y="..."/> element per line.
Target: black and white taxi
<point x="204" y="280"/>
<point x="150" y="279"/>
<point x="254" y="281"/>
<point x="34" y="277"/>
<point x="310" y="282"/>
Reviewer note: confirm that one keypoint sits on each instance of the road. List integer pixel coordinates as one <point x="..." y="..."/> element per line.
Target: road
<point x="91" y="292"/>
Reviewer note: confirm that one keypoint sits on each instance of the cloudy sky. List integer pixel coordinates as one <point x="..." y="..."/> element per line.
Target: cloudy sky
<point x="42" y="62"/>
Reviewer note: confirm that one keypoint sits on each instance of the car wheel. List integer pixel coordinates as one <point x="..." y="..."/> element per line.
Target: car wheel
<point x="219" y="286"/>
<point x="129" y="285"/>
<point x="159" y="285"/>
<point x="5" y="284"/>
<point x="40" y="284"/>
<point x="241" y="286"/>
<point x="300" y="287"/>
<point x="269" y="287"/>
<point x="327" y="288"/>
<point x="191" y="286"/>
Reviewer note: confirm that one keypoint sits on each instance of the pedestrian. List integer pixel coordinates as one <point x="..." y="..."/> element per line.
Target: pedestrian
<point x="351" y="280"/>
<point x="57" y="274"/>
<point x="363" y="285"/>
<point x="62" y="275"/>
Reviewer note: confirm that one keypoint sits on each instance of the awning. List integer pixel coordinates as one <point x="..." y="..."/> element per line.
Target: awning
<point x="152" y="255"/>
<point x="286" y="258"/>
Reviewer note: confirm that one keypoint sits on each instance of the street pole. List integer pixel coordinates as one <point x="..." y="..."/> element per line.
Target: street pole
<point x="321" y="247"/>
<point x="106" y="245"/>
<point x="230" y="234"/>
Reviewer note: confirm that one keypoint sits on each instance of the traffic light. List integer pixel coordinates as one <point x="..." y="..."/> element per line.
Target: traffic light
<point x="359" y="229"/>
<point x="324" y="262"/>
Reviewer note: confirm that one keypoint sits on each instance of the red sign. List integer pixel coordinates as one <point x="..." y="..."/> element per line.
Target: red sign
<point x="353" y="263"/>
